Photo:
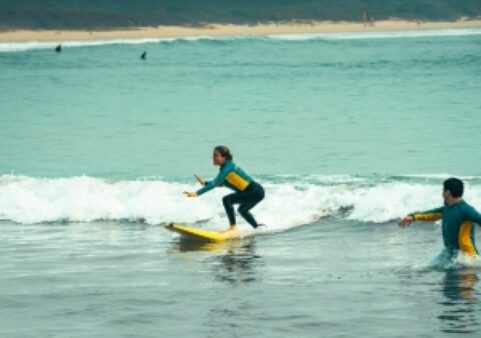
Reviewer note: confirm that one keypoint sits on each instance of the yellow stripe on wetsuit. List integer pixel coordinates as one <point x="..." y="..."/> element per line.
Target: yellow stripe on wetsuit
<point x="465" y="242"/>
<point x="428" y="216"/>
<point x="237" y="181"/>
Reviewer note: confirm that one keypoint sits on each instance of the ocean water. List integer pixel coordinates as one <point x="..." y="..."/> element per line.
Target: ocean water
<point x="347" y="133"/>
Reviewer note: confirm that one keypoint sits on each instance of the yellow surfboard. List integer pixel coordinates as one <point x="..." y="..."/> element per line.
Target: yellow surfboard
<point x="200" y="234"/>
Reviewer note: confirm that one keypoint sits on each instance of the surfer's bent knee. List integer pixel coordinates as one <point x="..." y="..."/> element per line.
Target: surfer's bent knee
<point x="226" y="200"/>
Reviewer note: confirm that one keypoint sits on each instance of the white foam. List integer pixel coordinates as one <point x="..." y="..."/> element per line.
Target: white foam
<point x="287" y="204"/>
<point x="33" y="45"/>
<point x="32" y="200"/>
<point x="378" y="35"/>
<point x="446" y="261"/>
<point x="443" y="176"/>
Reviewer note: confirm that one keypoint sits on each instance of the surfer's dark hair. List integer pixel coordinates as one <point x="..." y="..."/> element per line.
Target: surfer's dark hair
<point x="455" y="186"/>
<point x="224" y="152"/>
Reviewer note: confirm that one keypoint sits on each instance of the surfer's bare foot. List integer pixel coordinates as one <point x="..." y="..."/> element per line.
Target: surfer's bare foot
<point x="231" y="228"/>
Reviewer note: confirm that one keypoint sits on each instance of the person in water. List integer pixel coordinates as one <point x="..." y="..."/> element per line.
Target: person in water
<point x="247" y="192"/>
<point x="457" y="219"/>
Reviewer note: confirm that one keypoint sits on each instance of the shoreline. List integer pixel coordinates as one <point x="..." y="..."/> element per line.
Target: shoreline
<point x="219" y="30"/>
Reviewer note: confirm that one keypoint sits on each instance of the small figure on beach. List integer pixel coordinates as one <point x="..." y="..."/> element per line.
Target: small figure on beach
<point x="248" y="193"/>
<point x="58" y="49"/>
<point x="144" y="55"/>
<point x="457" y="220"/>
<point x="367" y="19"/>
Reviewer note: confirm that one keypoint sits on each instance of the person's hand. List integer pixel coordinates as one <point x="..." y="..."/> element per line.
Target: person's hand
<point x="200" y="179"/>
<point x="190" y="193"/>
<point x="404" y="222"/>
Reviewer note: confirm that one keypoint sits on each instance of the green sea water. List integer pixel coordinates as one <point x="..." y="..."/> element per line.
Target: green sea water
<point x="285" y="106"/>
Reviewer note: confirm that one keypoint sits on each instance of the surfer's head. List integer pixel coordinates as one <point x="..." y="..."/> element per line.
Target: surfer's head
<point x="221" y="155"/>
<point x="453" y="189"/>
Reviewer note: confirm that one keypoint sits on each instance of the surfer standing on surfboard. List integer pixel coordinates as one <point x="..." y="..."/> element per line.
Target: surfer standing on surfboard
<point x="247" y="192"/>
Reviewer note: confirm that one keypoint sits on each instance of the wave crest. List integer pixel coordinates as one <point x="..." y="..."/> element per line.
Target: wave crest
<point x="290" y="201"/>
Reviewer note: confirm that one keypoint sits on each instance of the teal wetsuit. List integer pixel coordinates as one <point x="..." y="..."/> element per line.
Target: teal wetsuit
<point x="230" y="175"/>
<point x="247" y="192"/>
<point x="458" y="229"/>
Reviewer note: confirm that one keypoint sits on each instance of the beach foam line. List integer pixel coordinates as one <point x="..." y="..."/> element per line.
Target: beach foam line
<point x="32" y="45"/>
<point x="290" y="202"/>
<point x="38" y="45"/>
<point x="379" y="35"/>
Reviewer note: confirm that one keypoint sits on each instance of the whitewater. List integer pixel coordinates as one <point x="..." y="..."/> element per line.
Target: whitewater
<point x="295" y="202"/>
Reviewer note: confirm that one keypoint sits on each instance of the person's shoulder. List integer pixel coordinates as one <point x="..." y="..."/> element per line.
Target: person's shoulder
<point x="466" y="206"/>
<point x="235" y="167"/>
<point x="229" y="165"/>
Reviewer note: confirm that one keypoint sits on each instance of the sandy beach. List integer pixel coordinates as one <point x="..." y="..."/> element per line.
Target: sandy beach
<point x="231" y="30"/>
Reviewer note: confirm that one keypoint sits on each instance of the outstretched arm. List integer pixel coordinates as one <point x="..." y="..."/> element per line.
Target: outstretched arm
<point x="193" y="193"/>
<point x="429" y="215"/>
<point x="200" y="180"/>
<point x="214" y="183"/>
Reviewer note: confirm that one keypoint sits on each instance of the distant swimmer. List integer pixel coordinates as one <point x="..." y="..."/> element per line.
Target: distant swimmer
<point x="457" y="220"/>
<point x="247" y="192"/>
<point x="58" y="49"/>
<point x="144" y="55"/>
